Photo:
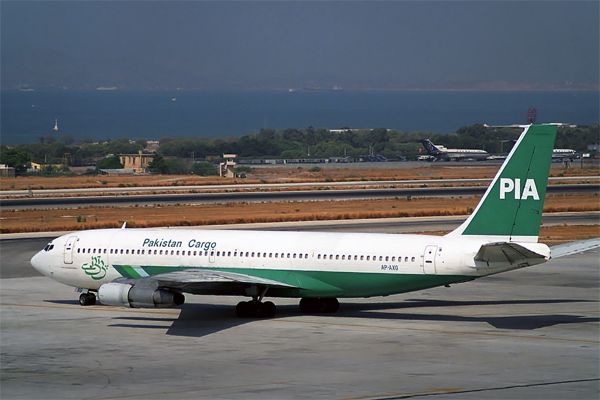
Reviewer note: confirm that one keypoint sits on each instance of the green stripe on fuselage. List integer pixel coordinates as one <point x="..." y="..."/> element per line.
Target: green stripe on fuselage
<point x="321" y="283"/>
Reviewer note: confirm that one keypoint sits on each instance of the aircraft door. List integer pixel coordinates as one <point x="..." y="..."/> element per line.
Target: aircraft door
<point x="429" y="260"/>
<point x="69" y="247"/>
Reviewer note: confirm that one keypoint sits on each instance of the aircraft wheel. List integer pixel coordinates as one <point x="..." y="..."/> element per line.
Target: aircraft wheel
<point x="243" y="309"/>
<point x="319" y="305"/>
<point x="87" y="299"/>
<point x="268" y="309"/>
<point x="249" y="309"/>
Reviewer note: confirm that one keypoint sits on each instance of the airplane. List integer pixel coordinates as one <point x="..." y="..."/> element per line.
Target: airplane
<point x="153" y="268"/>
<point x="561" y="154"/>
<point x="442" y="153"/>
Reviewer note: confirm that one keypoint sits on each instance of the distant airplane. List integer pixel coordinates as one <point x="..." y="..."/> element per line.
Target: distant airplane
<point x="439" y="152"/>
<point x="561" y="154"/>
<point x="153" y="268"/>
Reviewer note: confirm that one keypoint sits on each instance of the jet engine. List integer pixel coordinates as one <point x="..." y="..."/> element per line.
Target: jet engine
<point x="123" y="294"/>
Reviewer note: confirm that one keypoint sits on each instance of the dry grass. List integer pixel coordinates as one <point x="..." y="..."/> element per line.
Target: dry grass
<point x="275" y="174"/>
<point x="238" y="213"/>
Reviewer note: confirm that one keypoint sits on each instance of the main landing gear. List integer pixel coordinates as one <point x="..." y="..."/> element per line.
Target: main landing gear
<point x="319" y="305"/>
<point x="87" y="299"/>
<point x="255" y="309"/>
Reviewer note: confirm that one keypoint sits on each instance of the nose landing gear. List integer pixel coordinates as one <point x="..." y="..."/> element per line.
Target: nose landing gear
<point x="87" y="299"/>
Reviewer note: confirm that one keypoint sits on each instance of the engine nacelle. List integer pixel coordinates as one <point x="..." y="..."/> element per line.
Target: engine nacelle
<point x="126" y="295"/>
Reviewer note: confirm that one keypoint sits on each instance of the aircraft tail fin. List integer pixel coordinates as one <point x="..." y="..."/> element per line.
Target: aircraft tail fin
<point x="511" y="208"/>
<point x="430" y="147"/>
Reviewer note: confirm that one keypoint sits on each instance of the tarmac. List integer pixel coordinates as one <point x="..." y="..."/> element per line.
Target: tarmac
<point x="527" y="334"/>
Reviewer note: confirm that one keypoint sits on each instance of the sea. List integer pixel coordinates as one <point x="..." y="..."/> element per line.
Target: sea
<point x="110" y="114"/>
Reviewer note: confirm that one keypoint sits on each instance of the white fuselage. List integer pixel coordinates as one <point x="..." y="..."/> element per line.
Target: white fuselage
<point x="87" y="259"/>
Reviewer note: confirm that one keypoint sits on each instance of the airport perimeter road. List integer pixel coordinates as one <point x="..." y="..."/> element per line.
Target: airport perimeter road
<point x="300" y="195"/>
<point x="527" y="334"/>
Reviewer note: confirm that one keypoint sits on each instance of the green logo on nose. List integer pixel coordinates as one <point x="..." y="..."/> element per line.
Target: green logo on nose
<point x="97" y="269"/>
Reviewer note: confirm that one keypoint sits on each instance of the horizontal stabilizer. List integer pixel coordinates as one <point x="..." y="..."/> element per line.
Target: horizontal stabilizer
<point x="513" y="253"/>
<point x="567" y="249"/>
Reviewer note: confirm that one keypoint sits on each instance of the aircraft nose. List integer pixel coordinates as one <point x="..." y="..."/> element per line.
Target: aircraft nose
<point x="39" y="263"/>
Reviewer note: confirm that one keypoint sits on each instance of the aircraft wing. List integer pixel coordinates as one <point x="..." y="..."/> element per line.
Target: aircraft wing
<point x="512" y="253"/>
<point x="202" y="280"/>
<point x="567" y="249"/>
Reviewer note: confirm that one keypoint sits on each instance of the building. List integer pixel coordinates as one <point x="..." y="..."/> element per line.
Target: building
<point x="137" y="163"/>
<point x="6" y="172"/>
<point x="226" y="168"/>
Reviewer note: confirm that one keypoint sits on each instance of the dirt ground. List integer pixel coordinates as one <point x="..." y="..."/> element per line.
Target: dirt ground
<point x="211" y="214"/>
<point x="276" y="175"/>
<point x="177" y="215"/>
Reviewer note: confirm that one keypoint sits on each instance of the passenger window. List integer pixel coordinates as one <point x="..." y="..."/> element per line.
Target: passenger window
<point x="393" y="258"/>
<point x="270" y="255"/>
<point x="318" y="256"/>
<point x="235" y="253"/>
<point x="78" y="250"/>
<point x="412" y="259"/>
<point x="387" y="258"/>
<point x="127" y="251"/>
<point x="294" y="255"/>
<point x="362" y="258"/>
<point x="276" y="254"/>
<point x="247" y="254"/>
<point x="343" y="257"/>
<point x="264" y="254"/>
<point x="306" y="255"/>
<point x="405" y="259"/>
<point x="300" y="255"/>
<point x="368" y="258"/>
<point x="156" y="251"/>
<point x="218" y="253"/>
<point x="228" y="254"/>
<point x="252" y="254"/>
<point x="160" y="253"/>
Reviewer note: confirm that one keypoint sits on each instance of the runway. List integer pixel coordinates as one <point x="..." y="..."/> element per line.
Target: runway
<point x="254" y="196"/>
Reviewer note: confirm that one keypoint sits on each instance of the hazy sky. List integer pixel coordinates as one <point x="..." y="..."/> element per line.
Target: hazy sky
<point x="288" y="44"/>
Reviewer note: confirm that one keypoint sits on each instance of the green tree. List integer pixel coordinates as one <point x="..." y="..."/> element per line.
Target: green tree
<point x="68" y="139"/>
<point x="17" y="159"/>
<point x="110" y="163"/>
<point x="205" y="169"/>
<point x="158" y="165"/>
<point x="51" y="139"/>
<point x="177" y="166"/>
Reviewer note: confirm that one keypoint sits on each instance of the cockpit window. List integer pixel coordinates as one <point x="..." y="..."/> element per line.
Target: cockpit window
<point x="49" y="247"/>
